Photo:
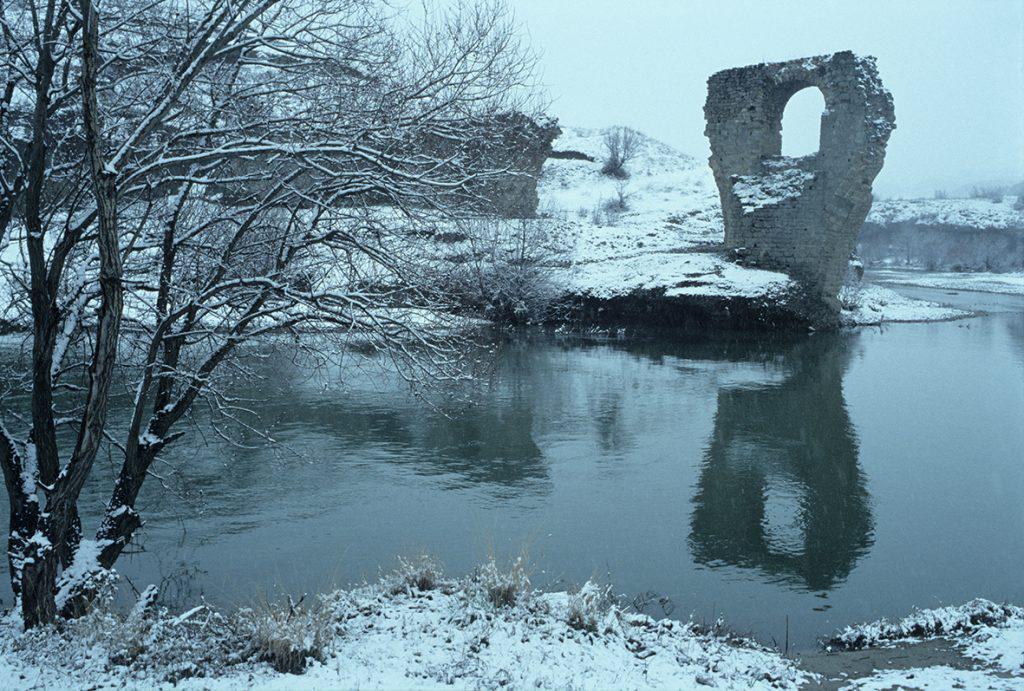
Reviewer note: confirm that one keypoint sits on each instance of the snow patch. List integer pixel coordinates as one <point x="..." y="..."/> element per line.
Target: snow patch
<point x="758" y="191"/>
<point x="867" y="304"/>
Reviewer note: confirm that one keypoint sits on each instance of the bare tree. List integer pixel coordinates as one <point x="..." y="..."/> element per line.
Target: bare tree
<point x="622" y="145"/>
<point x="180" y="181"/>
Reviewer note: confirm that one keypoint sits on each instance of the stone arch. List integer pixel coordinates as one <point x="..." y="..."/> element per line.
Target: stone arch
<point x="800" y="126"/>
<point x="798" y="215"/>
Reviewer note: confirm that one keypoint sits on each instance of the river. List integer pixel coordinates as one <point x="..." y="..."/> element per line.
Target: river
<point x="820" y="480"/>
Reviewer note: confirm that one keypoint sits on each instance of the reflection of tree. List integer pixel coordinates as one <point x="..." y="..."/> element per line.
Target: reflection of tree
<point x="797" y="435"/>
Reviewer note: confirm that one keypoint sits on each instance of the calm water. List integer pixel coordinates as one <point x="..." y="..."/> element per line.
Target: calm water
<point x="830" y="479"/>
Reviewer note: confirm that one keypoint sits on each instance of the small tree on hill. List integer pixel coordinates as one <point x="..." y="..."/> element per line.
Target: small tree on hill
<point x="621" y="144"/>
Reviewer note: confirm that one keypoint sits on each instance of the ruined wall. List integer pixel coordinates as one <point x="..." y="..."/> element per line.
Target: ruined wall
<point x="519" y="145"/>
<point x="798" y="215"/>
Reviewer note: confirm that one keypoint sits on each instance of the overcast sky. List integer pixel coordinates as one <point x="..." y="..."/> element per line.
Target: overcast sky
<point x="955" y="68"/>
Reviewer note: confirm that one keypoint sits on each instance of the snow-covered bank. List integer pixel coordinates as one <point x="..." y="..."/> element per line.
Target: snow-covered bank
<point x="417" y="630"/>
<point x="987" y="644"/>
<point x="982" y="282"/>
<point x="658" y="236"/>
<point x="867" y="304"/>
<point x="395" y="634"/>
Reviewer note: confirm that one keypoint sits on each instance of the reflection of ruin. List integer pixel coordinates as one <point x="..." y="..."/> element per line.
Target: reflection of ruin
<point x="781" y="489"/>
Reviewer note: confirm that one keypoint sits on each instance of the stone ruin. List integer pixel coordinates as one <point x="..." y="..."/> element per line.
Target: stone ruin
<point x="798" y="215"/>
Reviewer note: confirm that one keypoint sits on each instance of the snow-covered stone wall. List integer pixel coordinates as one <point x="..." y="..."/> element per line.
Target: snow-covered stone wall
<point x="798" y="215"/>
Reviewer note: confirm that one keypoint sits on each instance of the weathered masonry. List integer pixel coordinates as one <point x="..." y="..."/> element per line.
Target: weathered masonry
<point x="798" y="215"/>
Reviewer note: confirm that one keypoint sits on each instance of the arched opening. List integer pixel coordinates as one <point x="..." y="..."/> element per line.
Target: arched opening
<point x="801" y="122"/>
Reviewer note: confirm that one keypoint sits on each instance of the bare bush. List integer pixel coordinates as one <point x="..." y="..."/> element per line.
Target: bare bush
<point x="620" y="202"/>
<point x="993" y="193"/>
<point x="287" y="635"/>
<point x="503" y="587"/>
<point x="421" y="573"/>
<point x="588" y="606"/>
<point x="621" y="145"/>
<point x="510" y="270"/>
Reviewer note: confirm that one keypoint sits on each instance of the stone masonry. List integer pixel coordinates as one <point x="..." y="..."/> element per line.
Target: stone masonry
<point x="798" y="215"/>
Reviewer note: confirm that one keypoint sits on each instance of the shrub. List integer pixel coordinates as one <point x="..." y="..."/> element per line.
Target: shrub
<point x="504" y="588"/>
<point x="421" y="573"/>
<point x="621" y="144"/>
<point x="510" y="270"/>
<point x="620" y="202"/>
<point x="288" y="635"/>
<point x="993" y="193"/>
<point x="587" y="607"/>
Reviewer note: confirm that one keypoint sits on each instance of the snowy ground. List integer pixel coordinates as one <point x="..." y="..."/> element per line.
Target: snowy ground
<point x="395" y="635"/>
<point x="667" y="235"/>
<point x="411" y="632"/>
<point x="988" y="640"/>
<point x="867" y="304"/>
<point x="1009" y="283"/>
<point x="966" y="213"/>
<point x="658" y="237"/>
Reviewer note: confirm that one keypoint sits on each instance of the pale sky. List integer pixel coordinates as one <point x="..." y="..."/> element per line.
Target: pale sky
<point x="955" y="69"/>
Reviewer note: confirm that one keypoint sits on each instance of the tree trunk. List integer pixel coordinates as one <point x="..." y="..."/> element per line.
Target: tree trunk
<point x="39" y="585"/>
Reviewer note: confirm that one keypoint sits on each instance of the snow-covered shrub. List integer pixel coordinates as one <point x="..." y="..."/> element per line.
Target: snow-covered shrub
<point x="508" y="270"/>
<point x="588" y="606"/>
<point x="289" y="634"/>
<point x="927" y="623"/>
<point x="851" y="294"/>
<point x="420" y="573"/>
<point x="503" y="587"/>
<point x="149" y="643"/>
<point x="198" y="643"/>
<point x="621" y="144"/>
<point x="620" y="202"/>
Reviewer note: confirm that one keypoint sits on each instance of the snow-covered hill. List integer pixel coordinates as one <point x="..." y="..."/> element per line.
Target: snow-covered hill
<point x="656" y="229"/>
<point x="980" y="214"/>
<point x="662" y="229"/>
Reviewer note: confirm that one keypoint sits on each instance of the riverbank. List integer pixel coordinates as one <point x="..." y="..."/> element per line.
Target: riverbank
<point x="413" y="629"/>
<point x="648" y="249"/>
<point x="416" y="629"/>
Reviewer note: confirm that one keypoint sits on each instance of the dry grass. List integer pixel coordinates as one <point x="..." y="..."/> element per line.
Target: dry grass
<point x="504" y="587"/>
<point x="422" y="572"/>
<point x="287" y="635"/>
<point x="588" y="606"/>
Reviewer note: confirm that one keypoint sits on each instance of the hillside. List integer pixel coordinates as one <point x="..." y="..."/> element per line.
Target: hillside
<point x="972" y="235"/>
<point x="976" y="214"/>
<point x="667" y="235"/>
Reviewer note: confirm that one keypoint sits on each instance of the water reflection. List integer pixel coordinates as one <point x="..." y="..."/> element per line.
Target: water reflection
<point x="780" y="488"/>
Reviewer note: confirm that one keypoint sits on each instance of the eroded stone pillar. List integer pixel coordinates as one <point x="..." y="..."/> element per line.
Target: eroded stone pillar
<point x="798" y="215"/>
